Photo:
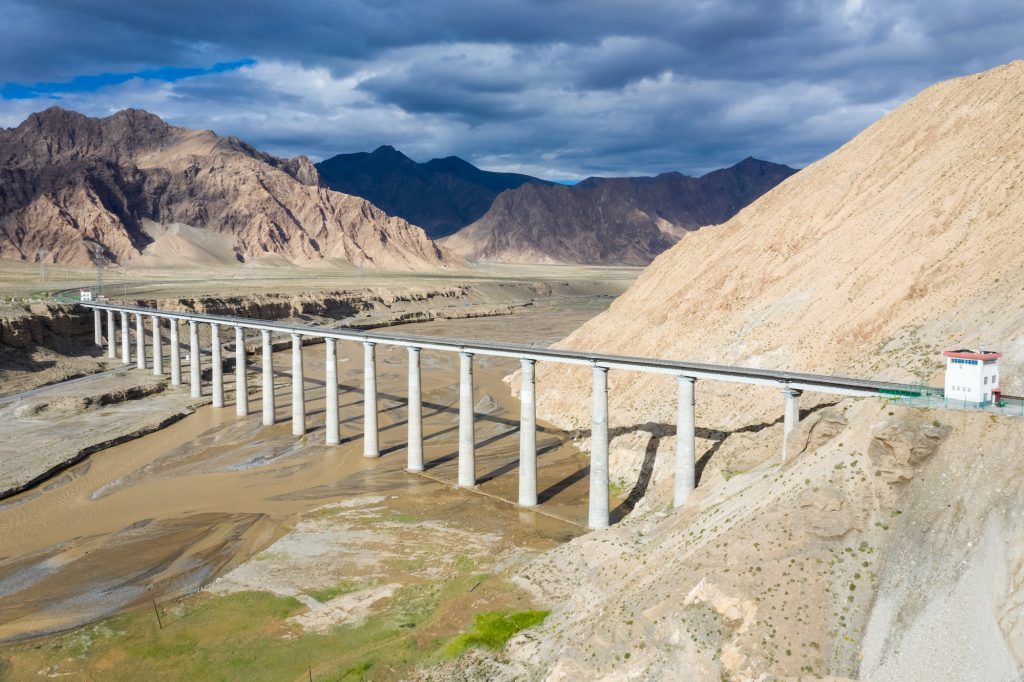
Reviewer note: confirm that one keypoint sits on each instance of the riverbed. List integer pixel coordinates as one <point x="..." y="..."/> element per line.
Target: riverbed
<point x="167" y="514"/>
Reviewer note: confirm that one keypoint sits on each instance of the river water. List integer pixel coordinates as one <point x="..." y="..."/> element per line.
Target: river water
<point x="165" y="514"/>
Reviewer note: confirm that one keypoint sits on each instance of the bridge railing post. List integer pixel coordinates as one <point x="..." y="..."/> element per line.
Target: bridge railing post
<point x="415" y="453"/>
<point x="268" y="379"/>
<point x="598" y="513"/>
<point x="241" y="378"/>
<point x="371" y="447"/>
<point x="527" y="434"/>
<point x="467" y="438"/>
<point x="685" y="475"/>
<point x="333" y="435"/>
<point x="195" y="361"/>
<point x="158" y="348"/>
<point x="791" y="416"/>
<point x="298" y="389"/>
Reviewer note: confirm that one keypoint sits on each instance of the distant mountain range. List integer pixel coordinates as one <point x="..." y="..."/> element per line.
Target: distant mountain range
<point x="441" y="195"/>
<point x="130" y="187"/>
<point x="611" y="221"/>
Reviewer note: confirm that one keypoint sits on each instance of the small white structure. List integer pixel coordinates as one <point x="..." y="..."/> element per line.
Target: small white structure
<point x="85" y="295"/>
<point x="972" y="376"/>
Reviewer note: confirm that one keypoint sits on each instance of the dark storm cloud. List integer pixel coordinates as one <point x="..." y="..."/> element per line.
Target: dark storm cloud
<point x="564" y="89"/>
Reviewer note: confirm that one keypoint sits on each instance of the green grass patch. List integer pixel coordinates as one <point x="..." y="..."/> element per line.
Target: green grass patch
<point x="325" y="594"/>
<point x="492" y="629"/>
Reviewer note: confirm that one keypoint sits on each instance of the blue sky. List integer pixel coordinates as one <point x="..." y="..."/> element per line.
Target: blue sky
<point x="562" y="90"/>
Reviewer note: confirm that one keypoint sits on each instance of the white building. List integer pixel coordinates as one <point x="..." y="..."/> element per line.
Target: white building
<point x="85" y="294"/>
<point x="972" y="376"/>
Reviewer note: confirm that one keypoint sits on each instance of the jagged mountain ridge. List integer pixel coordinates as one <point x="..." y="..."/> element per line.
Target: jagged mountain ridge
<point x="441" y="195"/>
<point x="69" y="182"/>
<point x="611" y="221"/>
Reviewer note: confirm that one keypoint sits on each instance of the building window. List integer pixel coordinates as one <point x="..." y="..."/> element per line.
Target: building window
<point x="986" y="380"/>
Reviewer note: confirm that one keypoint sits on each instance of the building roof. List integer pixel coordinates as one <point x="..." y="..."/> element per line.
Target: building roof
<point x="968" y="354"/>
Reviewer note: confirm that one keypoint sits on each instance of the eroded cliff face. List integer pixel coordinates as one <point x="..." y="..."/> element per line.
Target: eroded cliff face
<point x="70" y="184"/>
<point x="887" y="547"/>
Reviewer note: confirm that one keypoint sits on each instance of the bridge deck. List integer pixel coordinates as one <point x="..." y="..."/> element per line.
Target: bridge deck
<point x="822" y="383"/>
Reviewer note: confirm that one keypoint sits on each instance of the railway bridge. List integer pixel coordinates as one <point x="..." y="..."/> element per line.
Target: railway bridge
<point x="790" y="384"/>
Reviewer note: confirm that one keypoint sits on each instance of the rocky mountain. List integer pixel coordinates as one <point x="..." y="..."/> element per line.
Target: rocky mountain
<point x="887" y="547"/>
<point x="70" y="184"/>
<point x="612" y="221"/>
<point x="441" y="195"/>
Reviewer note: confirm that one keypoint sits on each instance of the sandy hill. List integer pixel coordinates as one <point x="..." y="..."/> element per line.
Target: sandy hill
<point x="612" y="221"/>
<point x="889" y="546"/>
<point x="440" y="195"/>
<point x="69" y="183"/>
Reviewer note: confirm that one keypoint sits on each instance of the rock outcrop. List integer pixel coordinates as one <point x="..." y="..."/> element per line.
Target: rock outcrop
<point x="611" y="221"/>
<point x="441" y="195"/>
<point x="71" y="185"/>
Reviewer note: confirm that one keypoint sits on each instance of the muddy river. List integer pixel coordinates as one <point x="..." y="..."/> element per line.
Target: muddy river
<point x="167" y="513"/>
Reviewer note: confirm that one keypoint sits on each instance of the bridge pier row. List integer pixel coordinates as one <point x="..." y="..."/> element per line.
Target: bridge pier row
<point x="97" y="320"/>
<point x="686" y="474"/>
<point x="140" y="342"/>
<point x="467" y="439"/>
<point x="333" y="436"/>
<point x="527" y="434"/>
<point x="414" y="460"/>
<point x="158" y="349"/>
<point x="791" y="416"/>
<point x="371" y="447"/>
<point x="598" y="516"/>
<point x="111" y="335"/>
<point x="126" y="357"/>
<point x="218" y="365"/>
<point x="175" y="353"/>
<point x="298" y="389"/>
<point x="241" y="385"/>
<point x="268" y="379"/>
<point x="195" y="363"/>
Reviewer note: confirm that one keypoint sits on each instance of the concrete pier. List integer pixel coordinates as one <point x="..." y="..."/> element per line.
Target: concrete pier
<point x="527" y="434"/>
<point x="414" y="460"/>
<point x="158" y="348"/>
<point x="298" y="389"/>
<point x="111" y="335"/>
<point x="97" y="320"/>
<point x="791" y="416"/>
<point x="268" y="379"/>
<point x="194" y="363"/>
<point x="175" y="353"/>
<point x="467" y="437"/>
<point x="126" y="356"/>
<point x="241" y="385"/>
<point x="218" y="366"/>
<point x="371" y="447"/>
<point x="333" y="435"/>
<point x="140" y="343"/>
<point x="686" y="472"/>
<point x="598" y="516"/>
